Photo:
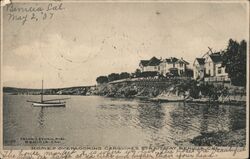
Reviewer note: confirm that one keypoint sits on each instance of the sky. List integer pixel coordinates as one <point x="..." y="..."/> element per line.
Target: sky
<point x="85" y="40"/>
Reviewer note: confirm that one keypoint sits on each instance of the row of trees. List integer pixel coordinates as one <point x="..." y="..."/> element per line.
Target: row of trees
<point x="124" y="75"/>
<point x="138" y="74"/>
<point x="235" y="60"/>
<point x="112" y="77"/>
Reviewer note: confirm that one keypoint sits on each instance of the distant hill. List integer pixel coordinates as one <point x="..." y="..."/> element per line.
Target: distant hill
<point x="79" y="90"/>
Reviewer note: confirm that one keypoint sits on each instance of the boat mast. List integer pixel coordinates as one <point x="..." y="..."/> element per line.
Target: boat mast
<point x="42" y="93"/>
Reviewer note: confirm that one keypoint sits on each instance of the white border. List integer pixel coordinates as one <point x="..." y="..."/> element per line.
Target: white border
<point x="132" y="1"/>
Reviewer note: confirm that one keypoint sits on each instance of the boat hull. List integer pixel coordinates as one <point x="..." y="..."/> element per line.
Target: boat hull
<point x="53" y="104"/>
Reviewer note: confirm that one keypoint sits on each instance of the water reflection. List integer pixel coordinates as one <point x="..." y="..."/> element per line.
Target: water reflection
<point x="204" y="120"/>
<point x="237" y="119"/>
<point x="183" y="122"/>
<point x="151" y="116"/>
<point x="101" y="121"/>
<point x="171" y="123"/>
<point x="214" y="118"/>
<point x="40" y="118"/>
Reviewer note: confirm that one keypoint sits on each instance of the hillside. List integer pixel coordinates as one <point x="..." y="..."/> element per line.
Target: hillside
<point x="80" y="90"/>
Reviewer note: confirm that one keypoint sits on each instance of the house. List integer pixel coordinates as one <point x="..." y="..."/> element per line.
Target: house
<point x="181" y="65"/>
<point x="164" y="66"/>
<point x="150" y="65"/>
<point x="199" y="68"/>
<point x="211" y="68"/>
<point x="213" y="65"/>
<point x="173" y="64"/>
<point x="168" y="64"/>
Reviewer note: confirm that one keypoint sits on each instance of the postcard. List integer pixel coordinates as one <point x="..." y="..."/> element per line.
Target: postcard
<point x="124" y="79"/>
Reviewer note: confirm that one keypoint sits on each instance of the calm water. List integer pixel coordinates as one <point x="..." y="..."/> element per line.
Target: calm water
<point x="99" y="121"/>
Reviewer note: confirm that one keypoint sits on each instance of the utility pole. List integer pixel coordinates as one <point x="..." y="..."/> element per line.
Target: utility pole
<point x="210" y="49"/>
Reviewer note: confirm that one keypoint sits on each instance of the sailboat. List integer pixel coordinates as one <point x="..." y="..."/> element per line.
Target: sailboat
<point x="49" y="103"/>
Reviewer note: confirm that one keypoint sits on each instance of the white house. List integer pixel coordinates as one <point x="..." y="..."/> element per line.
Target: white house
<point x="213" y="65"/>
<point x="150" y="65"/>
<point x="199" y="68"/>
<point x="212" y="68"/>
<point x="173" y="63"/>
<point x="164" y="66"/>
<point x="167" y="64"/>
<point x="181" y="66"/>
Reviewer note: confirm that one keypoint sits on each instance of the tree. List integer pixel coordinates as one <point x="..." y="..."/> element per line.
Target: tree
<point x="113" y="77"/>
<point x="149" y="74"/>
<point x="169" y="75"/>
<point x="209" y="90"/>
<point x="234" y="59"/>
<point x="124" y="75"/>
<point x="102" y="79"/>
<point x="188" y="73"/>
<point x="137" y="73"/>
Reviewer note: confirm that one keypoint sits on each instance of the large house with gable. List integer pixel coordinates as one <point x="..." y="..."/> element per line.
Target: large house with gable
<point x="164" y="66"/>
<point x="150" y="65"/>
<point x="210" y="68"/>
<point x="173" y="64"/>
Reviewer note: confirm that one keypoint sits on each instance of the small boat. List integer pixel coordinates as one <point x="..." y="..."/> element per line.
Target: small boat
<point x="168" y="98"/>
<point x="49" y="103"/>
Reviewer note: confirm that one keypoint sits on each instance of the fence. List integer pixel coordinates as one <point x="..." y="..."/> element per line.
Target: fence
<point x="217" y="79"/>
<point x="152" y="82"/>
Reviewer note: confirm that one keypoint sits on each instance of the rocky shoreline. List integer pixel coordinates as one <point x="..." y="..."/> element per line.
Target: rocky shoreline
<point x="187" y="91"/>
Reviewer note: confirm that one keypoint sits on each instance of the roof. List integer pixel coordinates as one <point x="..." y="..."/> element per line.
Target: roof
<point x="201" y="61"/>
<point x="155" y="61"/>
<point x="171" y="60"/>
<point x="183" y="61"/>
<point x="144" y="62"/>
<point x="152" y="62"/>
<point x="174" y="60"/>
<point x="216" y="57"/>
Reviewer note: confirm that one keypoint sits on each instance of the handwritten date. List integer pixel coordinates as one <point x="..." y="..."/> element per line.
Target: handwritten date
<point x="33" y="14"/>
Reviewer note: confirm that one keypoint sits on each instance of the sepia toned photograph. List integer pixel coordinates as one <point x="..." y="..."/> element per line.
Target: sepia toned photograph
<point x="125" y="75"/>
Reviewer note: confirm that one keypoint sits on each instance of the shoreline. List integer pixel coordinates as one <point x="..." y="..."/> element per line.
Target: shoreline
<point x="155" y="100"/>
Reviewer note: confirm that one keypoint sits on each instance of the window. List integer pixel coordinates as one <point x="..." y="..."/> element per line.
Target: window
<point x="219" y="70"/>
<point x="173" y="65"/>
<point x="181" y="64"/>
<point x="155" y="67"/>
<point x="209" y="72"/>
<point x="181" y="72"/>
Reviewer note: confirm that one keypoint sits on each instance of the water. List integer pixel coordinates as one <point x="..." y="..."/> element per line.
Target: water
<point x="100" y="121"/>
